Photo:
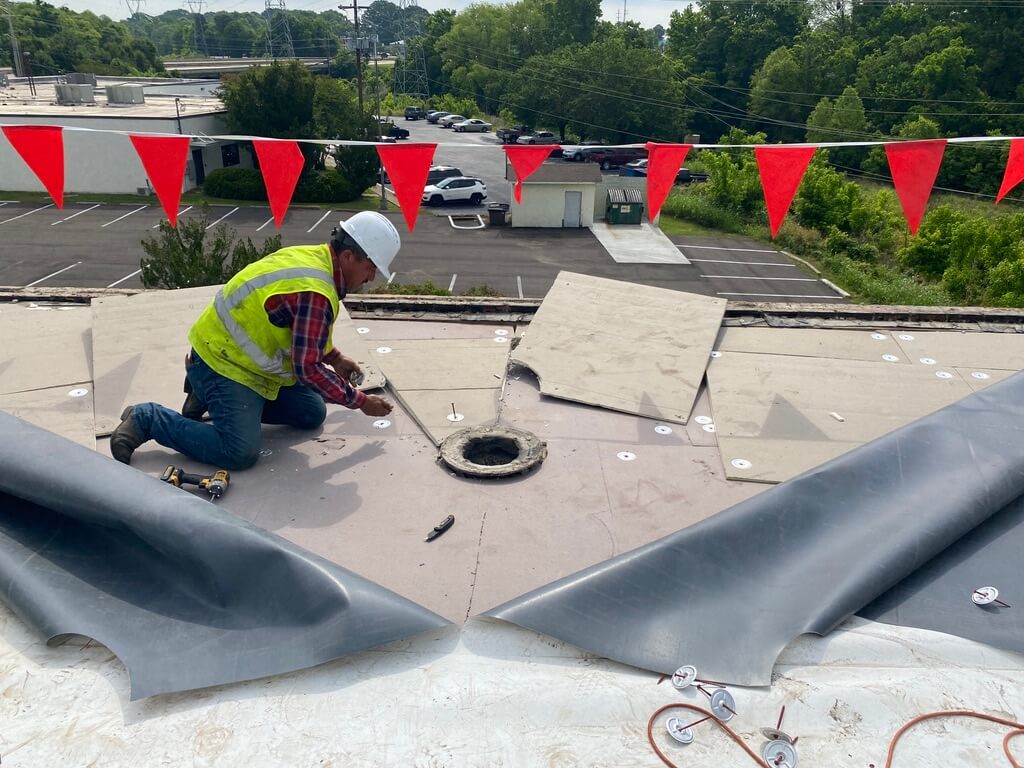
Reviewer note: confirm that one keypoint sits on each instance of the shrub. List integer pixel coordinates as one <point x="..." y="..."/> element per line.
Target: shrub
<point x="184" y="258"/>
<point x="692" y="206"/>
<point x="324" y="187"/>
<point x="840" y="243"/>
<point x="235" y="184"/>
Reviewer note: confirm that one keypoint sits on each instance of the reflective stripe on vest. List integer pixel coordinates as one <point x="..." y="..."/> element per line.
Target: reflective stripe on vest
<point x="224" y="304"/>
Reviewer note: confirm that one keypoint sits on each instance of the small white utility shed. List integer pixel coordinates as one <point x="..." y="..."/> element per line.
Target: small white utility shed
<point x="558" y="194"/>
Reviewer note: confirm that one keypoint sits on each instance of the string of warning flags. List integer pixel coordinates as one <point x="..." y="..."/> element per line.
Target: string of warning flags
<point x="913" y="165"/>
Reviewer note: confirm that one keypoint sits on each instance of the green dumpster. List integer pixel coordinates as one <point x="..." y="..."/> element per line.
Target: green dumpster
<point x="625" y="206"/>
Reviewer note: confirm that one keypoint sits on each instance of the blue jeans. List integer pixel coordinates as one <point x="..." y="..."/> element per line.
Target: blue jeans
<point x="232" y="439"/>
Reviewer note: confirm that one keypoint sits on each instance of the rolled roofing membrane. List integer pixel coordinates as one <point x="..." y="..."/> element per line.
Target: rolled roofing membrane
<point x="904" y="528"/>
<point x="186" y="594"/>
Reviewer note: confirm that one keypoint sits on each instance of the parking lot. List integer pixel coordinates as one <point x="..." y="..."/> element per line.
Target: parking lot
<point x="98" y="245"/>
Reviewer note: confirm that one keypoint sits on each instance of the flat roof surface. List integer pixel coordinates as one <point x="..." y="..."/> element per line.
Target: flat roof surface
<point x="17" y="100"/>
<point x="482" y="692"/>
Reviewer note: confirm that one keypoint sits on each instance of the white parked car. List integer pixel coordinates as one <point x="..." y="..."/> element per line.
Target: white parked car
<point x="449" y="120"/>
<point x="457" y="189"/>
<point x="472" y="125"/>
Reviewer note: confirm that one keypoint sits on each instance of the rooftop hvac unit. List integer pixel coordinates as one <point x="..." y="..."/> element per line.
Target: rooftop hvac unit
<point x="75" y="94"/>
<point x="125" y="94"/>
<point x="81" y="78"/>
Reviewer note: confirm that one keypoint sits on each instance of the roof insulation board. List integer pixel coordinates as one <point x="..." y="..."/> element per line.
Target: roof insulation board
<point x="44" y="346"/>
<point x="777" y="416"/>
<point x="622" y="346"/>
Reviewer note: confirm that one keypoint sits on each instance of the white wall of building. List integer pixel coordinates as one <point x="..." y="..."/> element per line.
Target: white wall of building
<point x="544" y="205"/>
<point x="106" y="163"/>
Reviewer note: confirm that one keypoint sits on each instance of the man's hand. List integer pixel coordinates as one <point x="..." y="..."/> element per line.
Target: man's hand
<point x="345" y="366"/>
<point x="375" y="405"/>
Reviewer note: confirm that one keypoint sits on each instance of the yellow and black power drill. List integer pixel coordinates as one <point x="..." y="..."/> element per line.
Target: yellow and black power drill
<point x="215" y="484"/>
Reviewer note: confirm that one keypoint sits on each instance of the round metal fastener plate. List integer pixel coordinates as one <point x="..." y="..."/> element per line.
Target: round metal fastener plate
<point x="906" y="337"/>
<point x="381" y="424"/>
<point x="980" y="375"/>
<point x="661" y="429"/>
<point x="779" y="754"/>
<point x="723" y="705"/>
<point x="741" y="464"/>
<point x="501" y="332"/>
<point x="384" y="350"/>
<point x="879" y="336"/>
<point x="675" y="729"/>
<point x="708" y="427"/>
<point x="890" y="358"/>
<point x="684" y="677"/>
<point x="78" y="392"/>
<point x="774" y="734"/>
<point x="626" y="455"/>
<point x="703" y="419"/>
<point x="928" y="360"/>
<point x="944" y="374"/>
<point x="362" y="329"/>
<point x="984" y="595"/>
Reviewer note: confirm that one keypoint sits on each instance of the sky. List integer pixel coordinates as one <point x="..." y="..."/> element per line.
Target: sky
<point x="646" y="12"/>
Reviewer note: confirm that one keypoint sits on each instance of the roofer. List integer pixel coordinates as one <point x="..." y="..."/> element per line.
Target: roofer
<point x="260" y="351"/>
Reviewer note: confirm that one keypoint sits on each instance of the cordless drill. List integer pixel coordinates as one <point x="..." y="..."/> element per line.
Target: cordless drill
<point x="215" y="484"/>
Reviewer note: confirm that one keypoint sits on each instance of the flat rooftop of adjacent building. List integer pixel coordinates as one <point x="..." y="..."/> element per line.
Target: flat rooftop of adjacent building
<point x="17" y="99"/>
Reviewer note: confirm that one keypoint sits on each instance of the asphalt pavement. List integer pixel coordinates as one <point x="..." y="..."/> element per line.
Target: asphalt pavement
<point x="90" y="244"/>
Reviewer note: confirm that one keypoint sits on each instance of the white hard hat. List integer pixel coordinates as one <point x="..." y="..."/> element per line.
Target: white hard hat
<point x="376" y="236"/>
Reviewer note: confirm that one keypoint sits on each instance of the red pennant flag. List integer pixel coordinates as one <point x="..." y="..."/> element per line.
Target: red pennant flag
<point x="914" y="166"/>
<point x="407" y="166"/>
<point x="1014" y="173"/>
<point x="42" y="149"/>
<point x="663" y="163"/>
<point x="164" y="158"/>
<point x="281" y="162"/>
<point x="525" y="160"/>
<point x="782" y="169"/>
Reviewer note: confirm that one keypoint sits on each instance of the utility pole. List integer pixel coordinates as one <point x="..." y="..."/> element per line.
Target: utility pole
<point x="380" y="127"/>
<point x="19" y="70"/>
<point x="355" y="8"/>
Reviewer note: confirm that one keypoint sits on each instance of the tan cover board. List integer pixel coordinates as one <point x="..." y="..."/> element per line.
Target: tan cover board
<point x="622" y="346"/>
<point x="65" y="410"/>
<point x="140" y="342"/>
<point x="44" y="347"/>
<point x="784" y="415"/>
<point x="867" y="345"/>
<point x="428" y="376"/>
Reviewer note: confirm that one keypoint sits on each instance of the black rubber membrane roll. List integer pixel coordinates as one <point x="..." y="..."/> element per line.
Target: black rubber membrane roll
<point x="902" y="530"/>
<point x="186" y="594"/>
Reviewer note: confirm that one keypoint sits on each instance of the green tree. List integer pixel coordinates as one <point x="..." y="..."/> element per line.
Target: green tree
<point x="779" y="72"/>
<point x="841" y="120"/>
<point x="192" y="255"/>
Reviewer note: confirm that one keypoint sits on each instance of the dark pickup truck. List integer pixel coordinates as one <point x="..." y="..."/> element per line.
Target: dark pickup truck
<point x="509" y="135"/>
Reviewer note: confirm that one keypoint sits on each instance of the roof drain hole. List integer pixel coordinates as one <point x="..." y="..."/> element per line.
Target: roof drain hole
<point x="491" y="452"/>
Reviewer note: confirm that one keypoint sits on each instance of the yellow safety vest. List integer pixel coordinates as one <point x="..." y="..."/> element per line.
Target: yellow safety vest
<point x="234" y="335"/>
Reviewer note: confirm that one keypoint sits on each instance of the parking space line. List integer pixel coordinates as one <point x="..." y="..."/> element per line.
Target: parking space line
<point x="393" y="276"/>
<point x="723" y="248"/>
<point x="23" y="215"/>
<point x="218" y="221"/>
<point x="53" y="274"/>
<point x="318" y="222"/>
<point x="776" y="295"/>
<point x="519" y="284"/>
<point x="69" y="218"/>
<point x="124" y="217"/>
<point x="769" y="279"/>
<point x="261" y="226"/>
<point x="748" y="263"/>
<point x="181" y="213"/>
<point x="451" y="285"/>
<point x="126" y="277"/>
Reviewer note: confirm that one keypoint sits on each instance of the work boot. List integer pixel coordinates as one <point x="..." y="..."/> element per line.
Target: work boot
<point x="194" y="408"/>
<point x="126" y="437"/>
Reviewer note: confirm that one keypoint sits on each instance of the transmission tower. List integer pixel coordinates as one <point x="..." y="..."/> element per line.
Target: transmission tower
<point x="198" y="26"/>
<point x="134" y="7"/>
<point x="15" y="48"/>
<point x="411" y="76"/>
<point x="279" y="36"/>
